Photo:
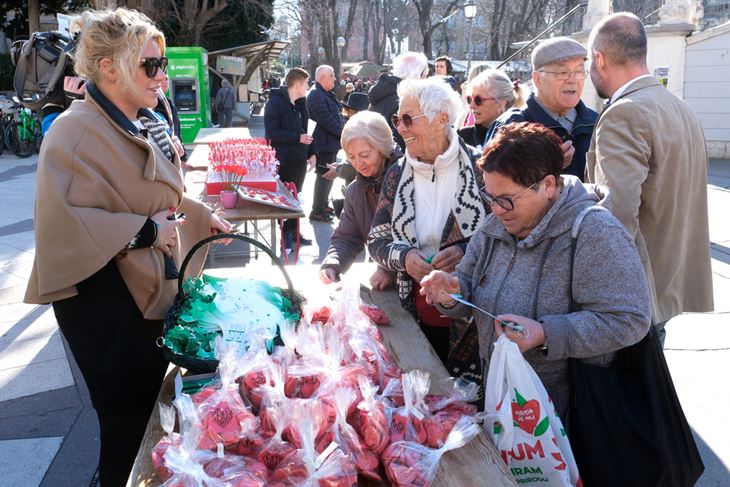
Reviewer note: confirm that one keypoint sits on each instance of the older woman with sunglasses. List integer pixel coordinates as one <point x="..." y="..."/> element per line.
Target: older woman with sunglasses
<point x="429" y="205"/>
<point x="518" y="266"/>
<point x="108" y="233"/>
<point x="491" y="93"/>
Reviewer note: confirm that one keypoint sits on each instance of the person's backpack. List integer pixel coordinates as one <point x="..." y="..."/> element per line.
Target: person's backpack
<point x="41" y="62"/>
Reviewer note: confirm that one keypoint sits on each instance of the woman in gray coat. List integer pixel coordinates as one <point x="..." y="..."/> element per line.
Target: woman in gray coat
<point x="368" y="144"/>
<point x="517" y="265"/>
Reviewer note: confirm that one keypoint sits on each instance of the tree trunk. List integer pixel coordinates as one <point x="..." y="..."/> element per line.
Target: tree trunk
<point x="366" y="13"/>
<point x="34" y="16"/>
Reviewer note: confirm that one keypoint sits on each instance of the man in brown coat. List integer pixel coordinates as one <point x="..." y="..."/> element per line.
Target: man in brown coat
<point x="649" y="149"/>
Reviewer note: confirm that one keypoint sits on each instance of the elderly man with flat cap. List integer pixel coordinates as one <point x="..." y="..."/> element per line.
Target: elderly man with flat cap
<point x="558" y="73"/>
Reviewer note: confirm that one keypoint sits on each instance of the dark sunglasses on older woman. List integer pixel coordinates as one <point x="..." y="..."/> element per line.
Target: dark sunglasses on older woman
<point x="505" y="202"/>
<point x="478" y="100"/>
<point x="405" y="118"/>
<point x="153" y="64"/>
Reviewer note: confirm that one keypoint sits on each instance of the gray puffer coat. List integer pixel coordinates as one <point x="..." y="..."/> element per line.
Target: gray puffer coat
<point x="531" y="277"/>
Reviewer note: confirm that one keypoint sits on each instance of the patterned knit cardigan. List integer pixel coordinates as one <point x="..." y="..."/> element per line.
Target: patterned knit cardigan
<point x="392" y="255"/>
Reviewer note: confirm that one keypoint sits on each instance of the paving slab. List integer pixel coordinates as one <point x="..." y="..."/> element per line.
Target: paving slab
<point x="34" y="378"/>
<point x="24" y="462"/>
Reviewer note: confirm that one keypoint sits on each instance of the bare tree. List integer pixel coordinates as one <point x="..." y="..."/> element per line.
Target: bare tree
<point x="429" y="21"/>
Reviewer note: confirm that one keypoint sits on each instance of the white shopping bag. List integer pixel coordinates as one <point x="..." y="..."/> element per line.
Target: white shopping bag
<point x="523" y="424"/>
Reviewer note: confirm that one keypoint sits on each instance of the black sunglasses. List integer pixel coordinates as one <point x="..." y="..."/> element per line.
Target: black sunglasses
<point x="405" y="118"/>
<point x="152" y="64"/>
<point x="478" y="100"/>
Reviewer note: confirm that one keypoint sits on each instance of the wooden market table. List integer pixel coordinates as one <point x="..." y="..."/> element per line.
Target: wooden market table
<point x="476" y="464"/>
<point x="245" y="211"/>
<point x="208" y="135"/>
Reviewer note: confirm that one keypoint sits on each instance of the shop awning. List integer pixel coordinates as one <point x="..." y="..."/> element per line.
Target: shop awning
<point x="255" y="54"/>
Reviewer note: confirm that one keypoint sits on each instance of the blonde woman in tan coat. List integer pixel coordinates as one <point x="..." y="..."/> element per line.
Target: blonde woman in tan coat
<point x="103" y="229"/>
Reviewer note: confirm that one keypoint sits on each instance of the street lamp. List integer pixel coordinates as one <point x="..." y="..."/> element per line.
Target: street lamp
<point x="320" y="51"/>
<point x="340" y="41"/>
<point x="470" y="11"/>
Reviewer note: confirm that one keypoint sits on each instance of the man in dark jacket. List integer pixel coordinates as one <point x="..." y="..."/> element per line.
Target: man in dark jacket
<point x="285" y="125"/>
<point x="225" y="101"/>
<point x="324" y="109"/>
<point x="558" y="73"/>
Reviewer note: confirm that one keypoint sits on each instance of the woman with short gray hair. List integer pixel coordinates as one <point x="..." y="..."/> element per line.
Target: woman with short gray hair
<point x="429" y="205"/>
<point x="489" y="95"/>
<point x="368" y="145"/>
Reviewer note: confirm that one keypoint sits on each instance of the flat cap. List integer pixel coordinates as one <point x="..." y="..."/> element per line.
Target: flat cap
<point x="555" y="50"/>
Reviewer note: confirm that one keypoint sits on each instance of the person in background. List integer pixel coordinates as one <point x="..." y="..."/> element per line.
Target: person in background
<point x="648" y="148"/>
<point x="285" y="125"/>
<point x="167" y="112"/>
<point x="74" y="88"/>
<point x="443" y="68"/>
<point x="108" y="236"/>
<point x="558" y="73"/>
<point x="429" y="205"/>
<point x="368" y="144"/>
<point x="518" y="264"/>
<point x="383" y="95"/>
<point x="356" y="102"/>
<point x="225" y="101"/>
<point x="491" y="93"/>
<point x="324" y="109"/>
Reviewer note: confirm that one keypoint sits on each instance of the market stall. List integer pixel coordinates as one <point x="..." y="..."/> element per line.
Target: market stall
<point x="262" y="199"/>
<point x="475" y="464"/>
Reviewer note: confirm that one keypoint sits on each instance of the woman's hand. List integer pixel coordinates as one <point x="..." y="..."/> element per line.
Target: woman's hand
<point x="447" y="259"/>
<point x="328" y="275"/>
<point x="218" y="223"/>
<point x="438" y="285"/>
<point x="166" y="230"/>
<point x="534" y="336"/>
<point x="416" y="265"/>
<point x="380" y="280"/>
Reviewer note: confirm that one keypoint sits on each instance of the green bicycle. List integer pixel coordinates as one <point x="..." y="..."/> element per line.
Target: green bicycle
<point x="23" y="136"/>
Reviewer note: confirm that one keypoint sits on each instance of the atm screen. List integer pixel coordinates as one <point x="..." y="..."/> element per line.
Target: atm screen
<point x="185" y="95"/>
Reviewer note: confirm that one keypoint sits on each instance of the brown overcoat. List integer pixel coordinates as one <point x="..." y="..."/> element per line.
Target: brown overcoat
<point x="649" y="149"/>
<point x="97" y="183"/>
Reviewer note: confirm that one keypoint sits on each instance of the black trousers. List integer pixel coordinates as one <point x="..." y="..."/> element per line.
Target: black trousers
<point x="122" y="366"/>
<point x="322" y="186"/>
<point x="293" y="170"/>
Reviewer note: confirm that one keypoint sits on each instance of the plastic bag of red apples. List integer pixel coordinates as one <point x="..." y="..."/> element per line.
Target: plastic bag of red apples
<point x="313" y="413"/>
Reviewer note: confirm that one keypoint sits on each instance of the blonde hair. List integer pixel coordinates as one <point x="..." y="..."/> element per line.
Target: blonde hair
<point x="119" y="35"/>
<point x="370" y="127"/>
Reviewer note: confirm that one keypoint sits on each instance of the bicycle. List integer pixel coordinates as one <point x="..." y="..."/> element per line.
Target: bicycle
<point x="23" y="134"/>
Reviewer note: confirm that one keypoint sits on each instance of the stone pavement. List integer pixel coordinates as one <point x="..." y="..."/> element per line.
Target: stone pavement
<point x="48" y="432"/>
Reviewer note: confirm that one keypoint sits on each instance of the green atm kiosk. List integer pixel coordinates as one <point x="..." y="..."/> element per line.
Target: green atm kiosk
<point x="189" y="89"/>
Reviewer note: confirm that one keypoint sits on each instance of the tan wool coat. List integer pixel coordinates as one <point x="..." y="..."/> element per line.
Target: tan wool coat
<point x="96" y="186"/>
<point x="649" y="149"/>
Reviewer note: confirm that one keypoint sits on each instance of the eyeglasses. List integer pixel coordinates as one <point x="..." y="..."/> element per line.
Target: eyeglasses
<point x="504" y="202"/>
<point x="478" y="100"/>
<point x="405" y="118"/>
<point x="564" y="75"/>
<point x="152" y="64"/>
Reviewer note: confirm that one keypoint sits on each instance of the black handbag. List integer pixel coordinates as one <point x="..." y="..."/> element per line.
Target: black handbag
<point x="625" y="423"/>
